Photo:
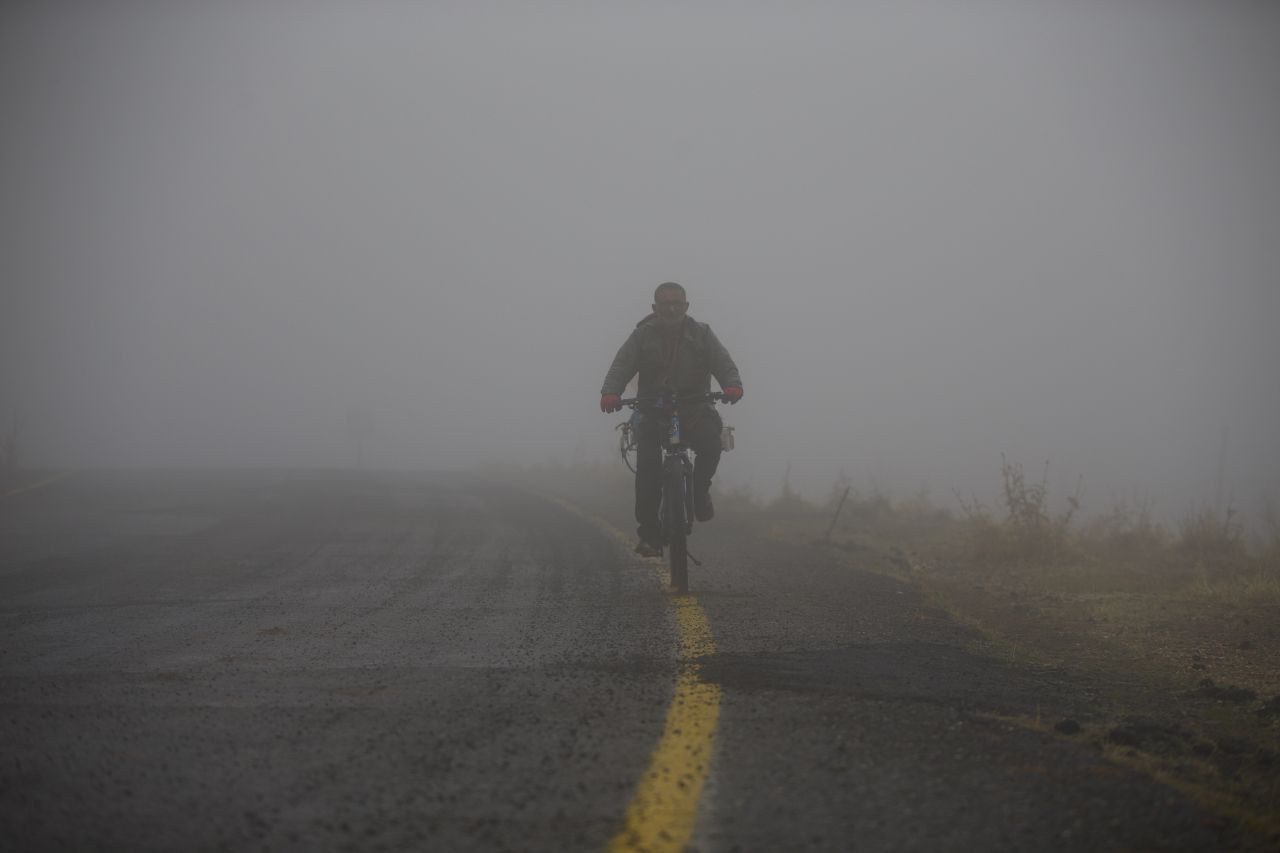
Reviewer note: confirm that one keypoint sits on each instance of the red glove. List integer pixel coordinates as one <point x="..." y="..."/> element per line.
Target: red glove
<point x="732" y="394"/>
<point x="612" y="402"/>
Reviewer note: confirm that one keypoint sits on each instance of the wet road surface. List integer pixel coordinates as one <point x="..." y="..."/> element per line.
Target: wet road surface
<point x="323" y="660"/>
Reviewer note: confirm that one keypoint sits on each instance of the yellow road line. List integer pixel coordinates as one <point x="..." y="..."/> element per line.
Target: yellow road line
<point x="45" y="482"/>
<point x="664" y="807"/>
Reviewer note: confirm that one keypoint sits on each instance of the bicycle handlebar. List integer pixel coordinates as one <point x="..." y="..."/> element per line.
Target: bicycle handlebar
<point x="706" y="396"/>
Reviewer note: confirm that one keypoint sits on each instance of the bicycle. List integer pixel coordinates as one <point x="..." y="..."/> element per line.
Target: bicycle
<point x="675" y="509"/>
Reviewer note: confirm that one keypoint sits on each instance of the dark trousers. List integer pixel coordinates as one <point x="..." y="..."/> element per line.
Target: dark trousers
<point x="701" y="431"/>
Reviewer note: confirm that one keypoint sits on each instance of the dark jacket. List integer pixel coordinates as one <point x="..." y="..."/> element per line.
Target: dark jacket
<point x="699" y="357"/>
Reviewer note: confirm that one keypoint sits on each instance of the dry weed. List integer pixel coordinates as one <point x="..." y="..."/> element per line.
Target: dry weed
<point x="1029" y="533"/>
<point x="1214" y="540"/>
<point x="1128" y="532"/>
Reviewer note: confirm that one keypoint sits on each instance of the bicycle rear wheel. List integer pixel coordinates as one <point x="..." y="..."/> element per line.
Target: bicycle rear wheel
<point x="674" y="512"/>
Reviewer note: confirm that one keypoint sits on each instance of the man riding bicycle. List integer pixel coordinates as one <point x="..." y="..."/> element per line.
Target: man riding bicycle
<point x="670" y="347"/>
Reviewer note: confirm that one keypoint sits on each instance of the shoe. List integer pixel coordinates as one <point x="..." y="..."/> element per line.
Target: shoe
<point x="648" y="549"/>
<point x="703" y="508"/>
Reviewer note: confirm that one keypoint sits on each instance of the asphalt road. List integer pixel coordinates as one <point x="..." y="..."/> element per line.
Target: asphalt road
<point x="322" y="660"/>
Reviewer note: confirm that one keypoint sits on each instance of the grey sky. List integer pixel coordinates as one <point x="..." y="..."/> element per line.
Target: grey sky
<point x="928" y="232"/>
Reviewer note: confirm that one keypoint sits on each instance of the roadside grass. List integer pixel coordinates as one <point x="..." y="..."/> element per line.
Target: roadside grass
<point x="1184" y="620"/>
<point x="1121" y="570"/>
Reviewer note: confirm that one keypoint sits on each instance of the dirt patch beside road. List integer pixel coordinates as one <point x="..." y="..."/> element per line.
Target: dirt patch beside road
<point x="1188" y="671"/>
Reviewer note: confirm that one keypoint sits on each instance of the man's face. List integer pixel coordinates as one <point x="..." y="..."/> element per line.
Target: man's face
<point x="670" y="307"/>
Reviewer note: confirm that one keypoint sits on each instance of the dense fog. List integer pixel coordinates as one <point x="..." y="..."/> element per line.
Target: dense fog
<point x="414" y="235"/>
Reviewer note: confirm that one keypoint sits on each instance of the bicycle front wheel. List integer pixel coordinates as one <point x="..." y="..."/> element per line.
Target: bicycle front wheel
<point x="674" y="512"/>
<point x="678" y="555"/>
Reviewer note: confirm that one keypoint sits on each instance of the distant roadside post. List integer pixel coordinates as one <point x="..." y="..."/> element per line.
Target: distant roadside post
<point x="839" y="506"/>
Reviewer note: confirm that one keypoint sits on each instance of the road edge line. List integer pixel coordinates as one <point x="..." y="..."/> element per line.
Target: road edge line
<point x="48" y="481"/>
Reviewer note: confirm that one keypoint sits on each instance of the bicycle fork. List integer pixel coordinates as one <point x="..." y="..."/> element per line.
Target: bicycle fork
<point x="677" y="465"/>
